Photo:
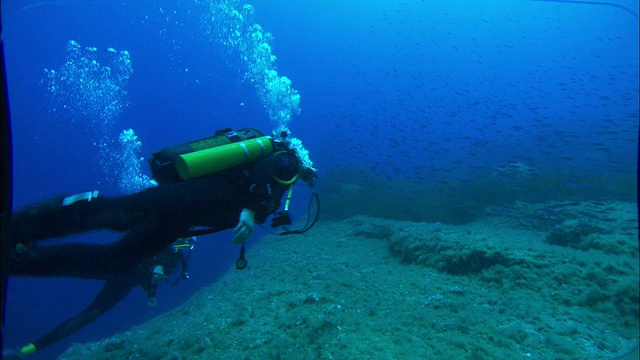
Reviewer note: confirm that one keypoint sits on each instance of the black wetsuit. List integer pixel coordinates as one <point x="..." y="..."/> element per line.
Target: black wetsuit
<point x="113" y="291"/>
<point x="152" y="219"/>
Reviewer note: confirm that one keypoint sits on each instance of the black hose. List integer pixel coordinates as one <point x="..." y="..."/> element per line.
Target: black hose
<point x="309" y="224"/>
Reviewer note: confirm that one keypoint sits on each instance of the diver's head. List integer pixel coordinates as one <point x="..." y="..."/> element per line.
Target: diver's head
<point x="157" y="274"/>
<point x="284" y="141"/>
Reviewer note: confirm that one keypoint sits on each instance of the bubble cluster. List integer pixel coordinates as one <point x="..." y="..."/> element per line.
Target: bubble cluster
<point x="90" y="87"/>
<point x="131" y="178"/>
<point x="89" y="90"/>
<point x="303" y="154"/>
<point x="233" y="26"/>
<point x="242" y="37"/>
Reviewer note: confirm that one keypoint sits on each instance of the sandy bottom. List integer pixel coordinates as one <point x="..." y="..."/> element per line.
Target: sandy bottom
<point x="531" y="281"/>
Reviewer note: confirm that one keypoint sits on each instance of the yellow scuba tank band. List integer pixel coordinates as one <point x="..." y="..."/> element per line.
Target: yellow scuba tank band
<point x="286" y="182"/>
<point x="286" y="202"/>
<point x="28" y="349"/>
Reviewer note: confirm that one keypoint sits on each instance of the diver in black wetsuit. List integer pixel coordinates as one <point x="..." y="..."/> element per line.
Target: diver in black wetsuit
<point x="152" y="219"/>
<point x="147" y="275"/>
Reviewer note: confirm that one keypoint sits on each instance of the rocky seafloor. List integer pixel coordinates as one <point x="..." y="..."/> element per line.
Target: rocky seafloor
<point x="555" y="280"/>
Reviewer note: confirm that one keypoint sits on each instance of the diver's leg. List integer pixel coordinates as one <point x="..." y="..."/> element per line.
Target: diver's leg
<point x="114" y="290"/>
<point x="74" y="214"/>
<point x="147" y="238"/>
<point x="51" y="218"/>
<point x="70" y="215"/>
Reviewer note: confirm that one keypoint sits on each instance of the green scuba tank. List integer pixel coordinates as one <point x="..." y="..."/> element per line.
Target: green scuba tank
<point x="225" y="149"/>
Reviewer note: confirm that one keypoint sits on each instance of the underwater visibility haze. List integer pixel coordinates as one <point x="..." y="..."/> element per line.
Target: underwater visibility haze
<point x="476" y="161"/>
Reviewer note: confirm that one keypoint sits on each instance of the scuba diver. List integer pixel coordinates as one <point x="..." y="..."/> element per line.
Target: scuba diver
<point x="148" y="275"/>
<point x="161" y="266"/>
<point x="231" y="180"/>
<point x="233" y="198"/>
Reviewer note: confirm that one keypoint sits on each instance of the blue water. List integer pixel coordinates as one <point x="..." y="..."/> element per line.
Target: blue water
<point x="431" y="92"/>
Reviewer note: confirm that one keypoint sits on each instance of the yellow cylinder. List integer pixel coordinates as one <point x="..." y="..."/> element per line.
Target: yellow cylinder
<point x="210" y="161"/>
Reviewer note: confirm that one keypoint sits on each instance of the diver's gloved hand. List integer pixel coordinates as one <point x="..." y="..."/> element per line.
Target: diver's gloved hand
<point x="245" y="227"/>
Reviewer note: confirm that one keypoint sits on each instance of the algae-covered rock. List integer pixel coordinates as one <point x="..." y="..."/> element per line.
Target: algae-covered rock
<point x="370" y="288"/>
